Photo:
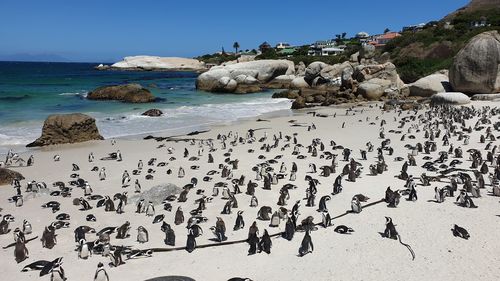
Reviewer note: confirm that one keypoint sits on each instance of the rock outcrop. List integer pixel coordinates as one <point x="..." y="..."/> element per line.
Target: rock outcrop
<point x="159" y="64"/>
<point x="451" y="98"/>
<point x="475" y="69"/>
<point x="153" y="113"/>
<point x="67" y="128"/>
<point x="7" y="176"/>
<point x="132" y="93"/>
<point x="243" y="77"/>
<point x="373" y="89"/>
<point x="430" y="85"/>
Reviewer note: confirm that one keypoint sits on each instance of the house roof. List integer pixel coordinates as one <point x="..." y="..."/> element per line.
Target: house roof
<point x="389" y="35"/>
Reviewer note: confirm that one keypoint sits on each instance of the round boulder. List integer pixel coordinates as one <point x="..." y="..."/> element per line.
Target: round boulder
<point x="7" y="176"/>
<point x="67" y="128"/>
<point x="452" y="98"/>
<point x="373" y="89"/>
<point x="475" y="69"/>
<point x="430" y="85"/>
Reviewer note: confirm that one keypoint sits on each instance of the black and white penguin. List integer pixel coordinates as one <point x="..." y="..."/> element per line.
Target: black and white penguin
<point x="122" y="231"/>
<point x="142" y="235"/>
<point x="355" y="205"/>
<point x="102" y="174"/>
<point x="306" y="246"/>
<point x="27" y="228"/>
<point x="137" y="186"/>
<point x="100" y="273"/>
<point x="265" y="243"/>
<point x="150" y="209"/>
<point x="342" y="229"/>
<point x="49" y="237"/>
<point x="179" y="216"/>
<point x="83" y="250"/>
<point x="390" y="229"/>
<point x="460" y="232"/>
<point x="20" y="251"/>
<point x="191" y="242"/>
<point x="169" y="234"/>
<point x="240" y="223"/>
<point x="35" y="266"/>
<point x="322" y="203"/>
<point x="85" y="204"/>
<point x="91" y="157"/>
<point x="57" y="273"/>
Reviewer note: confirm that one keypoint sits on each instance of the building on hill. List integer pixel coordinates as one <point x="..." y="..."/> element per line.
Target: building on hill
<point x="282" y="45"/>
<point x="414" y="28"/>
<point x="482" y="22"/>
<point x="382" y="39"/>
<point x="287" y="51"/>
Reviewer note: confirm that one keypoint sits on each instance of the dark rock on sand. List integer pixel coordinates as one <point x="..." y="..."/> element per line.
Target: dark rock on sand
<point x="7" y="176"/>
<point x="67" y="128"/>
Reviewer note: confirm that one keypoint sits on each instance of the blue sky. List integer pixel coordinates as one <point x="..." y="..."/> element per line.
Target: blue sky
<point x="103" y="30"/>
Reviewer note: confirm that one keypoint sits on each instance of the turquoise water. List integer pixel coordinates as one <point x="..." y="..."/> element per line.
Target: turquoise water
<point x="29" y="92"/>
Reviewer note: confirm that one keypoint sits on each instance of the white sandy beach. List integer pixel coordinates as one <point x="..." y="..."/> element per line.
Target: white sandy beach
<point x="362" y="255"/>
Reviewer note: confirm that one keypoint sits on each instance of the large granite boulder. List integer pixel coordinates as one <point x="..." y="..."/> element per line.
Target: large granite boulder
<point x="430" y="85"/>
<point x="373" y="89"/>
<point x="67" y="128"/>
<point x="280" y="82"/>
<point x="318" y="73"/>
<point x="475" y="69"/>
<point x="152" y="113"/>
<point x="450" y="98"/>
<point x="159" y="63"/>
<point x="250" y="74"/>
<point x="300" y="69"/>
<point x="299" y="83"/>
<point x="132" y="93"/>
<point x="7" y="176"/>
<point x="367" y="51"/>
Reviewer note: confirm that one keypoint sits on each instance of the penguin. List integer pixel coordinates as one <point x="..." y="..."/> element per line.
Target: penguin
<point x="20" y="251"/>
<point x="87" y="190"/>
<point x="326" y="220"/>
<point x="289" y="230"/>
<point x="27" y="229"/>
<point x="137" y="186"/>
<point x="181" y="173"/>
<point x="91" y="217"/>
<point x="122" y="231"/>
<point x="150" y="209"/>
<point x="102" y="174"/>
<point x="342" y="229"/>
<point x="83" y="250"/>
<point x="116" y="257"/>
<point x="91" y="157"/>
<point x="57" y="273"/>
<point x="240" y="223"/>
<point x="190" y="243"/>
<point x="100" y="273"/>
<point x="265" y="243"/>
<point x="306" y="246"/>
<point x="142" y="235"/>
<point x="38" y="265"/>
<point x="355" y="205"/>
<point x="85" y="204"/>
<point x="169" y="234"/>
<point x="140" y="206"/>
<point x="49" y="237"/>
<point x="460" y="232"/>
<point x="158" y="218"/>
<point x="275" y="220"/>
<point x="322" y="203"/>
<point x="179" y="216"/>
<point x="390" y="229"/>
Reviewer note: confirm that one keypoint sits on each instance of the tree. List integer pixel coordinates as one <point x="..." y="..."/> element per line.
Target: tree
<point x="236" y="46"/>
<point x="343" y="35"/>
<point x="223" y="51"/>
<point x="386" y="30"/>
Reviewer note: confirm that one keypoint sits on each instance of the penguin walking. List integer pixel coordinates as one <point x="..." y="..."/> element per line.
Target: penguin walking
<point x="100" y="273"/>
<point x="57" y="273"/>
<point x="20" y="251"/>
<point x="265" y="243"/>
<point x="191" y="242"/>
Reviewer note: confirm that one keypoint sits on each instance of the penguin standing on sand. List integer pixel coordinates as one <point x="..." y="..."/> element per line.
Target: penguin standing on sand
<point x="102" y="174"/>
<point x="306" y="246"/>
<point x="150" y="209"/>
<point x="100" y="273"/>
<point x="240" y="223"/>
<point x="57" y="273"/>
<point x="356" y="205"/>
<point x="20" y="251"/>
<point x="83" y="250"/>
<point x="191" y="242"/>
<point x="265" y="243"/>
<point x="91" y="157"/>
<point x="27" y="229"/>
<point x="142" y="235"/>
<point x="137" y="186"/>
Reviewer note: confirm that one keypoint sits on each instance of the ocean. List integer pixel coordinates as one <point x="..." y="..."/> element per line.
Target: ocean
<point x="31" y="91"/>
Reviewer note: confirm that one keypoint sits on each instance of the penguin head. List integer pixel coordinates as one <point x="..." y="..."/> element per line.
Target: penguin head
<point x="100" y="265"/>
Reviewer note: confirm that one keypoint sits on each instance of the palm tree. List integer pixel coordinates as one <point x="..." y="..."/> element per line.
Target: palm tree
<point x="236" y="46"/>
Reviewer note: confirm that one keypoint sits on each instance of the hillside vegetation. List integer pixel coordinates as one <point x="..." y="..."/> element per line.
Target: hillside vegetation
<point x="417" y="54"/>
